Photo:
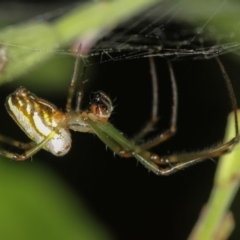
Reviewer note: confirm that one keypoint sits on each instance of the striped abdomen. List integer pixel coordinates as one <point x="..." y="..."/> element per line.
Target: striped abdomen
<point x="38" y="118"/>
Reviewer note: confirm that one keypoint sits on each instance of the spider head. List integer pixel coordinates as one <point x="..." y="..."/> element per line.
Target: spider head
<point x="101" y="105"/>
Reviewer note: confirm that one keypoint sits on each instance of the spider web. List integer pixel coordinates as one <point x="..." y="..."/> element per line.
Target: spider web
<point x="164" y="31"/>
<point x="175" y="30"/>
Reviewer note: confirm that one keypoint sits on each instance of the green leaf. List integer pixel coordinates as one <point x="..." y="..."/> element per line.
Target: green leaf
<point x="34" y="204"/>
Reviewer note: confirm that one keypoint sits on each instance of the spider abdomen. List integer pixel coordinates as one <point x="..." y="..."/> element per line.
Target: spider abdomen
<point x="38" y="118"/>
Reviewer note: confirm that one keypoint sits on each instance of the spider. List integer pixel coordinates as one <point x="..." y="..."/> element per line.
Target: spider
<point x="48" y="127"/>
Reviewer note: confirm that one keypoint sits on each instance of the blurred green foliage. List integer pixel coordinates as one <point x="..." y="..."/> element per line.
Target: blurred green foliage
<point x="35" y="204"/>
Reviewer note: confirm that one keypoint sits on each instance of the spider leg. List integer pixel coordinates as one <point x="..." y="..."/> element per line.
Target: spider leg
<point x="196" y="157"/>
<point x="163" y="137"/>
<point x="165" y="165"/>
<point x="34" y="149"/>
<point x="184" y="160"/>
<point x="161" y="165"/>
<point x="73" y="81"/>
<point x="154" y="118"/>
<point x="117" y="142"/>
<point x="168" y="169"/>
<point x="16" y="143"/>
<point x="172" y="129"/>
<point x="80" y="91"/>
<point x="174" y="163"/>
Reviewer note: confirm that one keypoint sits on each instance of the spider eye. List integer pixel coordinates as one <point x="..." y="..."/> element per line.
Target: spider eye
<point x="101" y="105"/>
<point x="95" y="97"/>
<point x="100" y="99"/>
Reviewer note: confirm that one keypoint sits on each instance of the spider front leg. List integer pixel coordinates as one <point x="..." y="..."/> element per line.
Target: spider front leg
<point x="121" y="145"/>
<point x="164" y="165"/>
<point x="115" y="140"/>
